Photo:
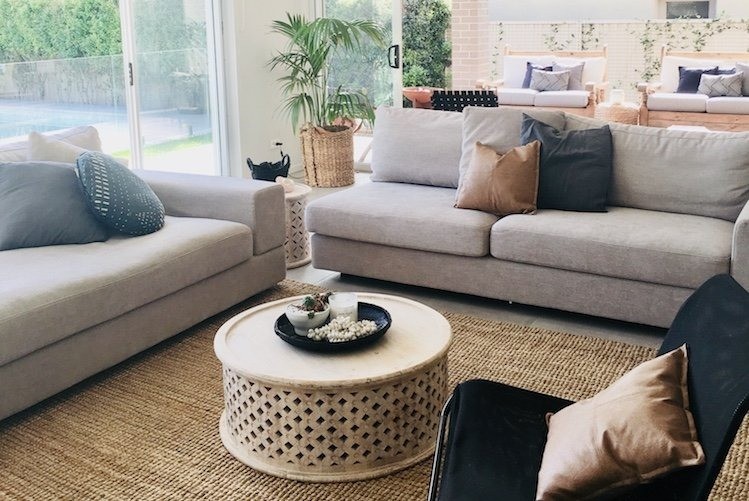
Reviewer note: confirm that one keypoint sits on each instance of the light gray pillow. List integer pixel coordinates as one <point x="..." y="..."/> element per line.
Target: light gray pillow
<point x="499" y="128"/>
<point x="721" y="85"/>
<point x="576" y="74"/>
<point x="744" y="68"/>
<point x="42" y="203"/>
<point x="416" y="146"/>
<point x="550" y="80"/>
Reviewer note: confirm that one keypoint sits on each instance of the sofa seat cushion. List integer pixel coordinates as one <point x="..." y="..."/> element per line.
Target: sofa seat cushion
<point x="50" y="293"/>
<point x="402" y="215"/>
<point x="562" y="98"/>
<point x="516" y="97"/>
<point x="658" y="247"/>
<point x="664" y="101"/>
<point x="731" y="105"/>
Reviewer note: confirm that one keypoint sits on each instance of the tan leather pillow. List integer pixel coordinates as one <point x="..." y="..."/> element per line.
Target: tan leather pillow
<point x="501" y="184"/>
<point x="637" y="429"/>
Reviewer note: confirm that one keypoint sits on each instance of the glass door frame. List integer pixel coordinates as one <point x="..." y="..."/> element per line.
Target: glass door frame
<point x="318" y="10"/>
<point x="216" y="85"/>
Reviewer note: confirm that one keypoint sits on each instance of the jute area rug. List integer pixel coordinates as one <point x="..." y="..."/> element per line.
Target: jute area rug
<point x="148" y="428"/>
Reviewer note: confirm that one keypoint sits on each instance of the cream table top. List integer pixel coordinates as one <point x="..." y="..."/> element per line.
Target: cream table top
<point x="248" y="345"/>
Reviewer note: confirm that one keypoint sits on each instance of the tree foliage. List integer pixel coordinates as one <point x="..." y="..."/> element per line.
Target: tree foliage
<point x="33" y="30"/>
<point x="426" y="50"/>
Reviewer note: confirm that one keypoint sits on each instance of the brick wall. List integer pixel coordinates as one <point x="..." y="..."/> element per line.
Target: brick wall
<point x="471" y="35"/>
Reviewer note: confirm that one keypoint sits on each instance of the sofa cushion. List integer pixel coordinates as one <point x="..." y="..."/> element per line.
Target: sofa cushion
<point x="663" y="101"/>
<point x="117" y="197"/>
<point x="550" y="81"/>
<point x="515" y="68"/>
<point x="563" y="99"/>
<point x="594" y="70"/>
<point x="501" y="184"/>
<point x="499" y="128"/>
<point x="516" y="97"/>
<point x="43" y="300"/>
<point x="85" y="137"/>
<point x="721" y="85"/>
<point x="688" y="172"/>
<point x="41" y="203"/>
<point x="402" y="215"/>
<point x="670" y="69"/>
<point x="416" y="146"/>
<point x="529" y="67"/>
<point x="575" y="166"/>
<point x="649" y="246"/>
<point x="744" y="68"/>
<point x="689" y="78"/>
<point x="576" y="74"/>
<point x="732" y="105"/>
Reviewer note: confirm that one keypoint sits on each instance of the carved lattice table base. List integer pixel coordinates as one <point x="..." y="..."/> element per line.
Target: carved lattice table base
<point x="322" y="426"/>
<point x="297" y="238"/>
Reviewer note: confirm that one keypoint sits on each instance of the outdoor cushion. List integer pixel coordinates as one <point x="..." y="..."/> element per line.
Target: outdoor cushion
<point x="499" y="128"/>
<point x="514" y="68"/>
<point x="732" y="105"/>
<point x="663" y="101"/>
<point x="563" y="98"/>
<point x="594" y="70"/>
<point x="45" y="148"/>
<point x="744" y="68"/>
<point x="648" y="246"/>
<point x="73" y="287"/>
<point x="550" y="81"/>
<point x="670" y="69"/>
<point x="516" y="97"/>
<point x="402" y="215"/>
<point x="701" y="173"/>
<point x="416" y="146"/>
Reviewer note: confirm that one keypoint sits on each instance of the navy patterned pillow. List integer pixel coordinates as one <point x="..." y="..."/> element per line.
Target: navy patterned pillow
<point x="117" y="197"/>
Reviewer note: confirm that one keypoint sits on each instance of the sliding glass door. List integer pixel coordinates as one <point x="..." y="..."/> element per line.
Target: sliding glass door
<point x="379" y="72"/>
<point x="173" y="83"/>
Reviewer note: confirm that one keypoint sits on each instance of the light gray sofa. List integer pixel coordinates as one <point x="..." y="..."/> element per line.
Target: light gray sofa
<point x="677" y="216"/>
<point x="70" y="311"/>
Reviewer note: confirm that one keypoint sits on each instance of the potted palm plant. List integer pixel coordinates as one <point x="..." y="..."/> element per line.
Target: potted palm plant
<point x="327" y="114"/>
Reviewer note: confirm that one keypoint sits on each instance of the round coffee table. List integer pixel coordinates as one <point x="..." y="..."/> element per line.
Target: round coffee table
<point x="325" y="417"/>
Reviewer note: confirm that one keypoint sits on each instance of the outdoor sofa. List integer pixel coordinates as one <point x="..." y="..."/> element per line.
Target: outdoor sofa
<point x="70" y="311"/>
<point x="676" y="216"/>
<point x="513" y="89"/>
<point x="662" y="106"/>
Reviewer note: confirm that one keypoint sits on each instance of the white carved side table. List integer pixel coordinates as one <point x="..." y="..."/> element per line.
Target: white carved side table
<point x="297" y="238"/>
<point x="330" y="417"/>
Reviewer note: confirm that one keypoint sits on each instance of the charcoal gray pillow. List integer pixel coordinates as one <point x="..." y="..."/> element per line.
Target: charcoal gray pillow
<point x="575" y="166"/>
<point x="529" y="67"/>
<point x="41" y="203"/>
<point x="117" y="197"/>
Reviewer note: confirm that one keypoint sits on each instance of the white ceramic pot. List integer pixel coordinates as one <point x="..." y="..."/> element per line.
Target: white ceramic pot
<point x="302" y="321"/>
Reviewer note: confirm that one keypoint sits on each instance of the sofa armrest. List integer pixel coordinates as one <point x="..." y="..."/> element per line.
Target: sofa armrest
<point x="257" y="204"/>
<point x="646" y="88"/>
<point x="740" y="248"/>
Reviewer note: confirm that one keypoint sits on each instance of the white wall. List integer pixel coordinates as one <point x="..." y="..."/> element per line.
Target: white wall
<point x="252" y="92"/>
<point x="578" y="10"/>
<point x="571" y="10"/>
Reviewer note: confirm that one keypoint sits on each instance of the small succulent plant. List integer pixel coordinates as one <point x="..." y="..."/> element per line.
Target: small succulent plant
<point x="314" y="303"/>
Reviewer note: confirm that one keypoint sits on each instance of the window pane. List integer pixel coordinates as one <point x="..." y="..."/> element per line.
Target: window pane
<point x="60" y="70"/>
<point x="687" y="10"/>
<point x="172" y="80"/>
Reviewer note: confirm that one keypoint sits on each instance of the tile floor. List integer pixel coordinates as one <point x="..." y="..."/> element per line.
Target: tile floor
<point x="480" y="307"/>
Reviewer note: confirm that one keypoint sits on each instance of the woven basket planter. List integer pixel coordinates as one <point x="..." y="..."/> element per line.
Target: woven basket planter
<point x="328" y="156"/>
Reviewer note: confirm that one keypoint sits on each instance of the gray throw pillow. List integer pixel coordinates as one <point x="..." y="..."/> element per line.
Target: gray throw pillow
<point x="721" y="85"/>
<point x="744" y="68"/>
<point x="117" y="197"/>
<point x="550" y="80"/>
<point x="576" y="74"/>
<point x="41" y="203"/>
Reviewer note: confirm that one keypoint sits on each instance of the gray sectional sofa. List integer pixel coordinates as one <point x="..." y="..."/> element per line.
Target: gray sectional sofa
<point x="677" y="216"/>
<point x="69" y="311"/>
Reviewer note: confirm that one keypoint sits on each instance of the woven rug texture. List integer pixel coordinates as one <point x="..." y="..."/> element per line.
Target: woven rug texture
<point x="147" y="429"/>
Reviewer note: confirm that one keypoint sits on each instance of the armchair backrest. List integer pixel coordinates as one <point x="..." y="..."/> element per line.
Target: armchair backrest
<point x="514" y="63"/>
<point x="714" y="322"/>
<point x="671" y="60"/>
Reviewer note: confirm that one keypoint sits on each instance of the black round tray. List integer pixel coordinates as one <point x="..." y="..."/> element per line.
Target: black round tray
<point x="367" y="311"/>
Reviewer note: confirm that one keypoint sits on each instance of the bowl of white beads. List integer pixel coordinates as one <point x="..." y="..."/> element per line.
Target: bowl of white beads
<point x="340" y="333"/>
